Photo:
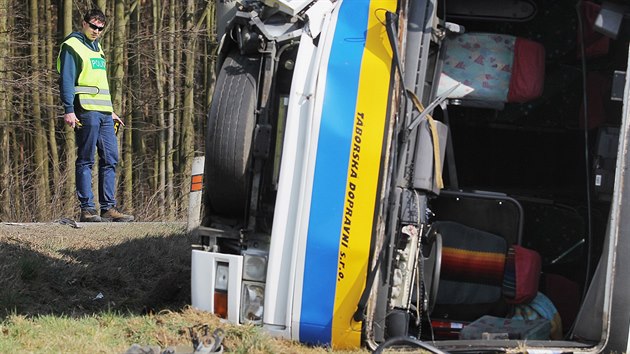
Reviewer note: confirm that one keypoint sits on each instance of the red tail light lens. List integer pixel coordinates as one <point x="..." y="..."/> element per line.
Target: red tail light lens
<point x="220" y="303"/>
<point x="221" y="277"/>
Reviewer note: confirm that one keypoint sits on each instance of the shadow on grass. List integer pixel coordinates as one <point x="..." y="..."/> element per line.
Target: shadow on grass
<point x="80" y="275"/>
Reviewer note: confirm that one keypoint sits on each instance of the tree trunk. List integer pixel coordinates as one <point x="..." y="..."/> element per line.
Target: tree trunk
<point x="161" y="156"/>
<point x="170" y="142"/>
<point x="116" y="86"/>
<point x="102" y="5"/>
<point x="50" y="60"/>
<point x="188" y="142"/>
<point x="40" y="143"/>
<point x="137" y="143"/>
<point x="177" y="126"/>
<point x="188" y="119"/>
<point x="24" y="186"/>
<point x="5" y="161"/>
<point x="15" y="190"/>
<point x="71" y="152"/>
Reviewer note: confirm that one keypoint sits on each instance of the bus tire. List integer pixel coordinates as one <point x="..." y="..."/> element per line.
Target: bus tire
<point x="231" y="121"/>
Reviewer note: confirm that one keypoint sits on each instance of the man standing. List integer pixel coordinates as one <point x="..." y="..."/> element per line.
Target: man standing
<point x="88" y="109"/>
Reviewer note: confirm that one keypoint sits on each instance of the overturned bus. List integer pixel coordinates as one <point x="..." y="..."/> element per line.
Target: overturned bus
<point x="446" y="174"/>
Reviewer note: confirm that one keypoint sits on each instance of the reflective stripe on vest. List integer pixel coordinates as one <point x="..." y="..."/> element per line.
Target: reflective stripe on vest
<point x="92" y="90"/>
<point x="92" y="85"/>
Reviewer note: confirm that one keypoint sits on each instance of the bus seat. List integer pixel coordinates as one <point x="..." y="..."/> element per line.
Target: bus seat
<point x="480" y="274"/>
<point x="491" y="69"/>
<point x="471" y="275"/>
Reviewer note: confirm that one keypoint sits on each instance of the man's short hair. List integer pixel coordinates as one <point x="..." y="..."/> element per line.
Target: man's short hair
<point x="94" y="14"/>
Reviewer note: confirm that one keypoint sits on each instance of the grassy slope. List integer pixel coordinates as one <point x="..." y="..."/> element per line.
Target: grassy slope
<point x="104" y="287"/>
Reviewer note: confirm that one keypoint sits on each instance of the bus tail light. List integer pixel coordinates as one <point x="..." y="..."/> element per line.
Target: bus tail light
<point x="221" y="289"/>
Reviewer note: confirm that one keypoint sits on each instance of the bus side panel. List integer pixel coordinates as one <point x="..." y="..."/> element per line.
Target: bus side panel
<point x="364" y="173"/>
<point x="286" y="255"/>
<point x="331" y="167"/>
<point x="347" y="171"/>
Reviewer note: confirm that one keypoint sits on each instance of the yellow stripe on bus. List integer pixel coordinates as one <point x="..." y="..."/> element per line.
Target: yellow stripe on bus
<point x="363" y="174"/>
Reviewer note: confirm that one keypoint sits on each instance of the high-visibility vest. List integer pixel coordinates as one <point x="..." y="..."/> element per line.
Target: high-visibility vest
<point x="91" y="86"/>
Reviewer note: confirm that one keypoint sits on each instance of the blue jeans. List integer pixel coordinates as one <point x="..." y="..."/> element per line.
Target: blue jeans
<point x="96" y="134"/>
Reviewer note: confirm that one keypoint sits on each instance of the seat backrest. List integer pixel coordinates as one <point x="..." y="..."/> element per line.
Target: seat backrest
<point x="491" y="69"/>
<point x="480" y="274"/>
<point x="471" y="276"/>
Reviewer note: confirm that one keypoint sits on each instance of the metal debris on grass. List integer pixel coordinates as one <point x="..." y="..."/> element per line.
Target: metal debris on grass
<point x="70" y="222"/>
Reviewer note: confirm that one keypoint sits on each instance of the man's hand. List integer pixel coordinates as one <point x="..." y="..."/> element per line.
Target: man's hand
<point x="71" y="119"/>
<point x="116" y="118"/>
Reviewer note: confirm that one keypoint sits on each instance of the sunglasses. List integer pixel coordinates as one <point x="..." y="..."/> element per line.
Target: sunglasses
<point x="95" y="27"/>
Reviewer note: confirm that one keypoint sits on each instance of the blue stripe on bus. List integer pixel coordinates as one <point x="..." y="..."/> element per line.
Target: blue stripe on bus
<point x="331" y="168"/>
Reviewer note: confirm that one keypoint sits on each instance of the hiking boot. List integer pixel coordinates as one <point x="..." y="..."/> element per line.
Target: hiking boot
<point x="112" y="214"/>
<point x="89" y="215"/>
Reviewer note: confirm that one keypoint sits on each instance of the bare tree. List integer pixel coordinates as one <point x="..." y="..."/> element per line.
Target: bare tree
<point x="170" y="142"/>
<point x="187" y="150"/>
<point x="5" y="98"/>
<point x="157" y="43"/>
<point x="70" y="140"/>
<point x="102" y="5"/>
<point x="188" y="119"/>
<point x="39" y="143"/>
<point x="49" y="60"/>
<point x="116" y="86"/>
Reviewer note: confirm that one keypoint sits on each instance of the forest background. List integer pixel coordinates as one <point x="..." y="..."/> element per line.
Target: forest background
<point x="160" y="56"/>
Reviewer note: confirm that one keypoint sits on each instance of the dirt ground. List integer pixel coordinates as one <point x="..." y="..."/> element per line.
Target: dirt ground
<point x="86" y="268"/>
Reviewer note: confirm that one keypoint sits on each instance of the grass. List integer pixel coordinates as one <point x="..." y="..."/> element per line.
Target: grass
<point x="112" y="332"/>
<point x="28" y="268"/>
<point x="51" y="275"/>
<point x="106" y="332"/>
